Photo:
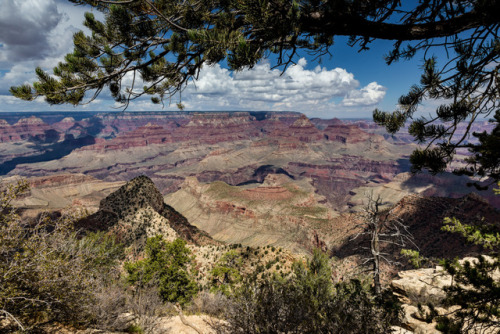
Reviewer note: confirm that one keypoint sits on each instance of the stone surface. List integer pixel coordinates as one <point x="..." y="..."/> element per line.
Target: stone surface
<point x="424" y="284"/>
<point x="421" y="286"/>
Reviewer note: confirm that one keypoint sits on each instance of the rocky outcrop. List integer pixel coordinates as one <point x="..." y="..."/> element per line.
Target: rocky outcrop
<point x="33" y="127"/>
<point x="423" y="286"/>
<point x="136" y="211"/>
<point x="303" y="130"/>
<point x="26" y="128"/>
<point x="322" y="124"/>
<point x="346" y="133"/>
<point x="8" y="133"/>
<point x="220" y="127"/>
<point x="64" y="125"/>
<point x="286" y="117"/>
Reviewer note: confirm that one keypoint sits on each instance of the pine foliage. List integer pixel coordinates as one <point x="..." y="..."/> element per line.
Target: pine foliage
<point x="165" y="266"/>
<point x="476" y="287"/>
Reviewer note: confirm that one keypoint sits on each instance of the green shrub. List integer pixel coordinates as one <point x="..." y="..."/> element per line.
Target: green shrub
<point x="166" y="264"/>
<point x="474" y="288"/>
<point x="226" y="273"/>
<point x="308" y="302"/>
<point x="134" y="329"/>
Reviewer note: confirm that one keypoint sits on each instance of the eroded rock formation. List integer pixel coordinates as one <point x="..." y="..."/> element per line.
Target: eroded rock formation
<point x="136" y="211"/>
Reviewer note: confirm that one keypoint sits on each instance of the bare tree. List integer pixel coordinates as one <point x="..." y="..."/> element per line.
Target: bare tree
<point x="147" y="307"/>
<point x="382" y="228"/>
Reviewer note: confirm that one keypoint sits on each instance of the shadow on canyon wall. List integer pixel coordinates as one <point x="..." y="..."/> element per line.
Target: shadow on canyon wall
<point x="423" y="217"/>
<point x="52" y="148"/>
<point x="53" y="151"/>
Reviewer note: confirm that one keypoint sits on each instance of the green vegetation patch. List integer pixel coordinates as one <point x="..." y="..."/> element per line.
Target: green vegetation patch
<point x="221" y="190"/>
<point x="313" y="211"/>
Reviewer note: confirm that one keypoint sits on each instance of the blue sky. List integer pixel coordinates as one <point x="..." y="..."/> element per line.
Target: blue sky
<point x="348" y="84"/>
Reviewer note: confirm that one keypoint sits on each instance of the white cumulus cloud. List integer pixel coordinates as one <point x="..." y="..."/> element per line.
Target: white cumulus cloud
<point x="262" y="87"/>
<point x="370" y="95"/>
